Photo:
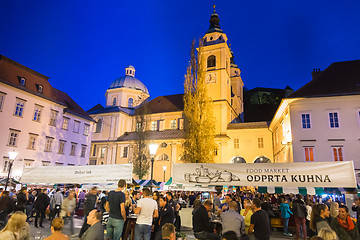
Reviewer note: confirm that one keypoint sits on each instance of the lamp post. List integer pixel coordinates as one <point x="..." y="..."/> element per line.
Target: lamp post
<point x="152" y="148"/>
<point x="164" y="168"/>
<point x="12" y="156"/>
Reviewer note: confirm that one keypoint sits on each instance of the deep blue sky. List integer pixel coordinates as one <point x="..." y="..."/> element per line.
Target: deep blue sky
<point x="84" y="45"/>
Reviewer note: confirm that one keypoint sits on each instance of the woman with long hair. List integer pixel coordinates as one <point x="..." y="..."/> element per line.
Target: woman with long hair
<point x="319" y="214"/>
<point x="344" y="226"/>
<point x="16" y="228"/>
<point x="57" y="225"/>
<point x="247" y="212"/>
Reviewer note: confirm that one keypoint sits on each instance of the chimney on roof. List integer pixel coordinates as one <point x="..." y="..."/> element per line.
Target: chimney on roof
<point x="315" y="73"/>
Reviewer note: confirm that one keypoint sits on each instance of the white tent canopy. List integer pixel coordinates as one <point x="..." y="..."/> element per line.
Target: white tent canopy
<point x="93" y="174"/>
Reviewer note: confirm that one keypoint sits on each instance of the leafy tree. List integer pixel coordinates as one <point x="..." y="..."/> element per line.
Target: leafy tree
<point x="199" y="124"/>
<point x="141" y="164"/>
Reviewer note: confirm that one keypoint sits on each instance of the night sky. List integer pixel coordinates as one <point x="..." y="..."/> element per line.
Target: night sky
<point x="84" y="45"/>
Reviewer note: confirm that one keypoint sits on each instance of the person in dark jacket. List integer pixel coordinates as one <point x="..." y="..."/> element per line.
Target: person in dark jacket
<point x="344" y="226"/>
<point x="40" y="205"/>
<point x="356" y="208"/>
<point x="21" y="199"/>
<point x="89" y="205"/>
<point x="201" y="223"/>
<point x="30" y="205"/>
<point x="7" y="205"/>
<point x="166" y="215"/>
<point x="300" y="213"/>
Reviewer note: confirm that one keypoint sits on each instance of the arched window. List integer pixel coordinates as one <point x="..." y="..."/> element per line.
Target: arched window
<point x="130" y="102"/>
<point x="114" y="101"/>
<point x="211" y="61"/>
<point x="238" y="159"/>
<point x="163" y="145"/>
<point x="98" y="126"/>
<point x="262" y="159"/>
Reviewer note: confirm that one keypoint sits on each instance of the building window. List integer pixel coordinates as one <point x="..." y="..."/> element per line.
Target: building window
<point x="6" y="166"/>
<point x="138" y="126"/>
<point x="173" y="124"/>
<point x="130" y="102"/>
<point x="83" y="150"/>
<point x="48" y="144"/>
<point x="2" y="100"/>
<point x="94" y="151"/>
<point x="28" y="163"/>
<point x="76" y="126"/>
<point x="260" y="142"/>
<point x="32" y="141"/>
<point x="215" y="151"/>
<point x="73" y="149"/>
<point x="125" y="153"/>
<point x="163" y="145"/>
<point x="309" y="154"/>
<point x="338" y="153"/>
<point x="334" y="120"/>
<point x="61" y="147"/>
<point x="19" y="108"/>
<point x="114" y="101"/>
<point x="58" y="164"/>
<point x="86" y="129"/>
<point x="236" y="143"/>
<point x="211" y="61"/>
<point x="45" y="163"/>
<point x="22" y="81"/>
<point x="92" y="162"/>
<point x="102" y="152"/>
<point x="98" y="126"/>
<point x="154" y="126"/>
<point x="53" y="116"/>
<point x="14" y="134"/>
<point x="37" y="113"/>
<point x="164" y="157"/>
<point x="65" y="124"/>
<point x="305" y="120"/>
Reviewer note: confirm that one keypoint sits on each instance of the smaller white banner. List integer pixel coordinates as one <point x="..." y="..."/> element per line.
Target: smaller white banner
<point x="314" y="174"/>
<point x="103" y="174"/>
<point x="189" y="188"/>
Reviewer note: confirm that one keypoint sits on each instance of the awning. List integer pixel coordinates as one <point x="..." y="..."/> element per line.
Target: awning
<point x="306" y="190"/>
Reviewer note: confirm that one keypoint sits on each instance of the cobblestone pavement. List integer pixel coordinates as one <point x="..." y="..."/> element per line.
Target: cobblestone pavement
<point x="41" y="233"/>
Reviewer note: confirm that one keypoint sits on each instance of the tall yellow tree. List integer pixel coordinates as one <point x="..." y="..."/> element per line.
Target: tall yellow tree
<point x="199" y="144"/>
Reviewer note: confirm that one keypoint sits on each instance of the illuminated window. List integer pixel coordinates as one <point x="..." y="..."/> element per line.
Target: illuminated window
<point x="76" y="126"/>
<point x="83" y="150"/>
<point x="138" y="126"/>
<point x="73" y="149"/>
<point x="14" y="134"/>
<point x="260" y="142"/>
<point x="154" y="126"/>
<point x="236" y="143"/>
<point x="22" y="81"/>
<point x="48" y="144"/>
<point x="19" y="107"/>
<point x="28" y="163"/>
<point x="309" y="154"/>
<point x="305" y="120"/>
<point x="211" y="61"/>
<point x="86" y="129"/>
<point x="61" y="147"/>
<point x="53" y="116"/>
<point x="338" y="153"/>
<point x="2" y="100"/>
<point x="102" y="152"/>
<point x="65" y="125"/>
<point x="173" y="124"/>
<point x="37" y="113"/>
<point x="334" y="120"/>
<point x="32" y="141"/>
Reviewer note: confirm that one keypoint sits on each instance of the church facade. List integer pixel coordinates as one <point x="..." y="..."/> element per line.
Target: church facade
<point x="236" y="142"/>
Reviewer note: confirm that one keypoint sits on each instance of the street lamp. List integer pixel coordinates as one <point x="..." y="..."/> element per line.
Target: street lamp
<point x="12" y="156"/>
<point x="164" y="168"/>
<point x="152" y="148"/>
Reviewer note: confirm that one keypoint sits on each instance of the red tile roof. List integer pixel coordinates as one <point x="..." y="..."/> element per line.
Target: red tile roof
<point x="170" y="103"/>
<point x="11" y="72"/>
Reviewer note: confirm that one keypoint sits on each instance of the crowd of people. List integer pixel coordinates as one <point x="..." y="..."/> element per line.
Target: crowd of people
<point x="240" y="215"/>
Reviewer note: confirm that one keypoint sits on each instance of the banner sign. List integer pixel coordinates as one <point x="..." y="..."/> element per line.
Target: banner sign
<point x="104" y="174"/>
<point x="309" y="174"/>
<point x="188" y="188"/>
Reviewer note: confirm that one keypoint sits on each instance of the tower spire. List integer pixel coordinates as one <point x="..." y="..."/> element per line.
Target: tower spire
<point x="214" y="23"/>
